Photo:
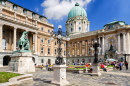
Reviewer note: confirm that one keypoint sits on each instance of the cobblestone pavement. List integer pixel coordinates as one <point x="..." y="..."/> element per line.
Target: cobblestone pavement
<point x="43" y="78"/>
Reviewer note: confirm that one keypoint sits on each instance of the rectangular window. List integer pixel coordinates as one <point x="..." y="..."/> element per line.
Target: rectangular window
<point x="48" y="50"/>
<point x="33" y="48"/>
<point x="64" y="45"/>
<point x="33" y="38"/>
<point x="42" y="29"/>
<point x="14" y="7"/>
<point x="42" y="61"/>
<point x="42" y="40"/>
<point x="68" y="53"/>
<point x="55" y="51"/>
<point x="48" y="41"/>
<point x="3" y="2"/>
<point x="42" y="50"/>
<point x="68" y="45"/>
<point x="48" y="30"/>
<point x="64" y="53"/>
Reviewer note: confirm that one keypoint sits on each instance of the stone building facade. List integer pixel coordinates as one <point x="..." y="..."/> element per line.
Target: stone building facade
<point x="15" y="19"/>
<point x="114" y="38"/>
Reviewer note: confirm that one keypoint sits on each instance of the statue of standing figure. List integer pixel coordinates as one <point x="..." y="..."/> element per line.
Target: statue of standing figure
<point x="106" y="56"/>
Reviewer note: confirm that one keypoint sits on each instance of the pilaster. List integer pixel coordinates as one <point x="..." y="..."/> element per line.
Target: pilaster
<point x="119" y="50"/>
<point x="124" y="43"/>
<point x="36" y="43"/>
<point x="14" y="40"/>
<point x="1" y="36"/>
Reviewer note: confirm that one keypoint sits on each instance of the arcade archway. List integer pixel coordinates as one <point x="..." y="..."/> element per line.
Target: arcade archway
<point x="6" y="60"/>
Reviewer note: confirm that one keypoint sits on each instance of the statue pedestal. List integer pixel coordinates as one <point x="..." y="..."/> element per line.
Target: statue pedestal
<point x="96" y="71"/>
<point x="21" y="62"/>
<point x="60" y="75"/>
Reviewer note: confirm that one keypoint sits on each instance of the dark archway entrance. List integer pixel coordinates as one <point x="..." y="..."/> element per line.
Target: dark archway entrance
<point x="6" y="60"/>
<point x="33" y="59"/>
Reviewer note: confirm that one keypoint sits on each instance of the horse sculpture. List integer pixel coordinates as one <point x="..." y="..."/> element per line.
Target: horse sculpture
<point x="24" y="42"/>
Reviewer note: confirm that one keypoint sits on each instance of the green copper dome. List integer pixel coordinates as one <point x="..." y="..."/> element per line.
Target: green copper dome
<point x="77" y="11"/>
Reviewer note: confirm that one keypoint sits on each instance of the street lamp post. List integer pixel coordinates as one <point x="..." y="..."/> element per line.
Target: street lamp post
<point x="59" y="67"/>
<point x="96" y="45"/>
<point x="59" y="59"/>
<point x="96" y="71"/>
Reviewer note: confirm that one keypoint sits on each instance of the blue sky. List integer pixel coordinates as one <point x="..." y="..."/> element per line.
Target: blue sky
<point x="99" y="12"/>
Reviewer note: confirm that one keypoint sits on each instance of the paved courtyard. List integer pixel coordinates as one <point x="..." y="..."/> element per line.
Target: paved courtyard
<point x="114" y="78"/>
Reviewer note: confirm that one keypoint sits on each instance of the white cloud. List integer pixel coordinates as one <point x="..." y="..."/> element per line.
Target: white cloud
<point x="36" y="9"/>
<point x="57" y="9"/>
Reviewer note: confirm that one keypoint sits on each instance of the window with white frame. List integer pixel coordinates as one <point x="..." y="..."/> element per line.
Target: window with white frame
<point x="42" y="40"/>
<point x="33" y="48"/>
<point x="48" y="41"/>
<point x="64" y="53"/>
<point x="55" y="51"/>
<point x="42" y="50"/>
<point x="79" y="22"/>
<point x="4" y="44"/>
<point x="48" y="50"/>
<point x="48" y="30"/>
<point x="42" y="29"/>
<point x="33" y="38"/>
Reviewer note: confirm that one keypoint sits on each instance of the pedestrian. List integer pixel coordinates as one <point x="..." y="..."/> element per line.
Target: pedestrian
<point x="126" y="64"/>
<point x="86" y="67"/>
<point x="120" y="64"/>
<point x="46" y="65"/>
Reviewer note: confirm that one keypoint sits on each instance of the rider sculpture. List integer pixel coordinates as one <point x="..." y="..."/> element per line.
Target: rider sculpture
<point x="24" y="42"/>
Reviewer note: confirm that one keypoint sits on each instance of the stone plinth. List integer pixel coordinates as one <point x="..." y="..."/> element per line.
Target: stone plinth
<point x="21" y="62"/>
<point x="59" y="75"/>
<point x="96" y="71"/>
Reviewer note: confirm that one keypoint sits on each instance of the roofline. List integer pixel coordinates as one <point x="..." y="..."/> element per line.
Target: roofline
<point x="24" y="8"/>
<point x="111" y="22"/>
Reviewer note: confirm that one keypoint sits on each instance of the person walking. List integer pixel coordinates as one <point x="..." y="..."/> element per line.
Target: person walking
<point x="126" y="64"/>
<point x="86" y="67"/>
<point x="46" y="65"/>
<point x="120" y="66"/>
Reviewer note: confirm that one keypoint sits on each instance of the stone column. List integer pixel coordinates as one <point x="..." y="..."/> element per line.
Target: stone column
<point x="15" y="15"/>
<point x="1" y="36"/>
<point x="75" y="49"/>
<point x="36" y="23"/>
<point x="119" y="50"/>
<point x="98" y="48"/>
<point x="52" y="48"/>
<point x="36" y="43"/>
<point x="128" y="45"/>
<point x="102" y="45"/>
<point x="14" y="40"/>
<point x="0" y="11"/>
<point x="124" y="43"/>
<point x="86" y="48"/>
<point x="26" y="19"/>
<point x="80" y="48"/>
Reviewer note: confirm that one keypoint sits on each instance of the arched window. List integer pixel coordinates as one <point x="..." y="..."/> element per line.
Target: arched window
<point x="48" y="41"/>
<point x="4" y="44"/>
<point x="79" y="28"/>
<point x="42" y="50"/>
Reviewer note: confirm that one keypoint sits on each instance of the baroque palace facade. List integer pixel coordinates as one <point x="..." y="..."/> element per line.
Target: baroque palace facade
<point x="14" y="20"/>
<point x="114" y="38"/>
